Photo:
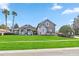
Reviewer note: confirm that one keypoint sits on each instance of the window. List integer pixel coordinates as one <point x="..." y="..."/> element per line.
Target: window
<point x="47" y="24"/>
<point x="50" y="30"/>
<point x="40" y="32"/>
<point x="43" y="30"/>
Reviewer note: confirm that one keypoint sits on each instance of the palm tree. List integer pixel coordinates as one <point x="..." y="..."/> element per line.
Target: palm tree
<point x="6" y="13"/>
<point x="14" y="14"/>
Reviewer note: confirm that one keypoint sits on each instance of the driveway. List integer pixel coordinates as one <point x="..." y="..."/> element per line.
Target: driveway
<point x="43" y="52"/>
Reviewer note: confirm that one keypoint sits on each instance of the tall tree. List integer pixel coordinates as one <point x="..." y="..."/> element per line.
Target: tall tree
<point x="66" y="30"/>
<point x="76" y="25"/>
<point x="2" y="26"/>
<point x="16" y="26"/>
<point x="14" y="14"/>
<point x="6" y="13"/>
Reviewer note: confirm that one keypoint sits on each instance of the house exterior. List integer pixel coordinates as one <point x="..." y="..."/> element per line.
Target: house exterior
<point x="2" y="31"/>
<point x="16" y="30"/>
<point x="76" y="25"/>
<point x="26" y="30"/>
<point x="46" y="27"/>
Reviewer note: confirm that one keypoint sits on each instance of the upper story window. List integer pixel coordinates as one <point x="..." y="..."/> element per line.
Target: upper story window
<point x="47" y="23"/>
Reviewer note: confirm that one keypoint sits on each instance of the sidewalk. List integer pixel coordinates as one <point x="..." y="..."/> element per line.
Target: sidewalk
<point x="76" y="36"/>
<point x="43" y="52"/>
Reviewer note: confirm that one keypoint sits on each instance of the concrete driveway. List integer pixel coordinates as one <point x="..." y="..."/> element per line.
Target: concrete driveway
<point x="43" y="52"/>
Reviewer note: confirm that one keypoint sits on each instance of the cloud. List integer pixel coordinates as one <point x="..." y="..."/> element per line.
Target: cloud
<point x="4" y="6"/>
<point x="71" y="20"/>
<point x="56" y="7"/>
<point x="70" y="11"/>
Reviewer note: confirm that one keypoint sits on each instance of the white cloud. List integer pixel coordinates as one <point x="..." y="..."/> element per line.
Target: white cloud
<point x="4" y="5"/>
<point x="70" y="11"/>
<point x="71" y="20"/>
<point x="56" y="7"/>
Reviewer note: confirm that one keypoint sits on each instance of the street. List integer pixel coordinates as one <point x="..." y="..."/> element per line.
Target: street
<point x="43" y="52"/>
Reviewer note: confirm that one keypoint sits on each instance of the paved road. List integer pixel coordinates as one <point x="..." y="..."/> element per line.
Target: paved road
<point x="43" y="52"/>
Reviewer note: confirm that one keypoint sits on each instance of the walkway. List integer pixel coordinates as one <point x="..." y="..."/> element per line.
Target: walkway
<point x="43" y="52"/>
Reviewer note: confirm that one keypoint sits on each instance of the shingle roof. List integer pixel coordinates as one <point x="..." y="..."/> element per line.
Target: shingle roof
<point x="42" y="23"/>
<point x="27" y="27"/>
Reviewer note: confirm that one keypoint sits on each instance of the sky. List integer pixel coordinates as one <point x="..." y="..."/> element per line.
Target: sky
<point x="34" y="13"/>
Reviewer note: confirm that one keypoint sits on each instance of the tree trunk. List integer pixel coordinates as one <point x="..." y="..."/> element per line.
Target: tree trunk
<point x="6" y="22"/>
<point x="13" y="24"/>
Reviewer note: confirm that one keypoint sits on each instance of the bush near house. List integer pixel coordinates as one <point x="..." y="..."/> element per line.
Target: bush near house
<point x="61" y="34"/>
<point x="66" y="31"/>
<point x="2" y="26"/>
<point x="9" y="33"/>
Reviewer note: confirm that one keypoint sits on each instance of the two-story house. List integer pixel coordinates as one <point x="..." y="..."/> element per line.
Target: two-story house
<point x="46" y="27"/>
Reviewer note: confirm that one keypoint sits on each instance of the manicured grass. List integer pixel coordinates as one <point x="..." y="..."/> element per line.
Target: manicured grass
<point x="30" y="38"/>
<point x="15" y="42"/>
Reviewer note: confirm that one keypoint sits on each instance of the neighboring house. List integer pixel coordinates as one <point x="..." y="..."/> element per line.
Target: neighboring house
<point x="26" y="30"/>
<point x="2" y="31"/>
<point x="46" y="28"/>
<point x="16" y="30"/>
<point x="76" y="25"/>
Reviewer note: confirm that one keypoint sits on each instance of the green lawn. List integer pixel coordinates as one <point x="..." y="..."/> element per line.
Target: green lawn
<point x="17" y="42"/>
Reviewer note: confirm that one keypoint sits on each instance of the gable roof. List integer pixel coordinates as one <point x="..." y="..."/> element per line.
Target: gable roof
<point x="48" y="21"/>
<point x="42" y="23"/>
<point x="27" y="27"/>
